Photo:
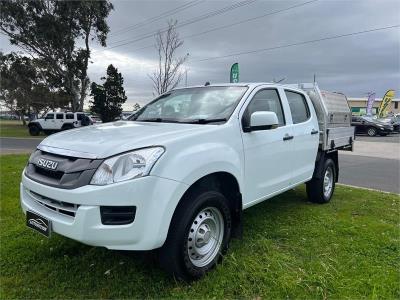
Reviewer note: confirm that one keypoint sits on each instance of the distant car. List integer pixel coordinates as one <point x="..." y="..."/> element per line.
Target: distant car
<point x="95" y="119"/>
<point x="371" y="126"/>
<point x="58" y="121"/>
<point x="394" y="121"/>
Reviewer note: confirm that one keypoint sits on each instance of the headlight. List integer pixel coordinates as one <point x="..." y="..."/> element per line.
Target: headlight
<point x="127" y="166"/>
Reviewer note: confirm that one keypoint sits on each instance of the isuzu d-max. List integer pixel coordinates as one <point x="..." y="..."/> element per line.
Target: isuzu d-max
<point x="177" y="175"/>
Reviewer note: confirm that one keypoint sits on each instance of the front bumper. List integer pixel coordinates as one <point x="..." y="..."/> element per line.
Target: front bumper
<point x="155" y="199"/>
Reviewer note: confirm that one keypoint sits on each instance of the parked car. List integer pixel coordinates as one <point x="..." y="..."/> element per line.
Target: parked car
<point x="393" y="120"/>
<point x="58" y="121"/>
<point x="371" y="126"/>
<point x="177" y="176"/>
<point x="95" y="119"/>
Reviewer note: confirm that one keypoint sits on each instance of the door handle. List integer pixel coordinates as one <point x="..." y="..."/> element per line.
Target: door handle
<point x="288" y="137"/>
<point x="314" y="131"/>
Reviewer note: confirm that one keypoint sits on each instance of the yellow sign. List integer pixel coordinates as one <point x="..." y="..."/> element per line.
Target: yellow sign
<point x="385" y="104"/>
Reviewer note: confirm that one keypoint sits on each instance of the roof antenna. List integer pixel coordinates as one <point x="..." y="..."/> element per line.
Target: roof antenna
<point x="315" y="76"/>
<point x="207" y="83"/>
<point x="280" y="80"/>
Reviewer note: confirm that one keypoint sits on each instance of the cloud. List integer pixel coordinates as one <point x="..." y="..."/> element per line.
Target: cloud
<point x="353" y="65"/>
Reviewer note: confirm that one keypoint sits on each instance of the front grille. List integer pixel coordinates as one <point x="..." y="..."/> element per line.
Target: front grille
<point x="69" y="173"/>
<point x="61" y="207"/>
<point x="49" y="173"/>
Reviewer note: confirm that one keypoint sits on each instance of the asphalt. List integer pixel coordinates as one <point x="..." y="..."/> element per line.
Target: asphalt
<point x="370" y="172"/>
<point x="18" y="145"/>
<point x="374" y="164"/>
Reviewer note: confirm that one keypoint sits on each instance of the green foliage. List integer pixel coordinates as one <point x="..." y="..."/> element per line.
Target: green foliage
<point x="23" y="88"/>
<point x="291" y="249"/>
<point x="14" y="128"/>
<point x="50" y="30"/>
<point x="136" y="107"/>
<point x="109" y="96"/>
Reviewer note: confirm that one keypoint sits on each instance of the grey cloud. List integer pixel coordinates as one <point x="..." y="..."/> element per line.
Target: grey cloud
<point x="354" y="65"/>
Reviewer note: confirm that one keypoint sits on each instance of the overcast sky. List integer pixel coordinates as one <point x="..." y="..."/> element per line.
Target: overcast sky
<point x="354" y="65"/>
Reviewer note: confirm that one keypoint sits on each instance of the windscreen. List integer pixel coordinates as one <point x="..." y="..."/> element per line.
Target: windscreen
<point x="191" y="105"/>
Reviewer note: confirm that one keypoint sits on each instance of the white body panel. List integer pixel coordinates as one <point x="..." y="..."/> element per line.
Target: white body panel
<point x="261" y="161"/>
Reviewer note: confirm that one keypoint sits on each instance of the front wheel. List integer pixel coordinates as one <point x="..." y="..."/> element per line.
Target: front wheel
<point x="34" y="130"/>
<point x="320" y="190"/>
<point x="198" y="236"/>
<point x="371" y="131"/>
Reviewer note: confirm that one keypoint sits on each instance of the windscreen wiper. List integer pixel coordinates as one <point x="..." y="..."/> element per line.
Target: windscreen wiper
<point x="159" y="120"/>
<point x="207" y="121"/>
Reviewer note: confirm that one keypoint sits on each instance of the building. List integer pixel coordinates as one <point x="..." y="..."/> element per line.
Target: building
<point x="359" y="106"/>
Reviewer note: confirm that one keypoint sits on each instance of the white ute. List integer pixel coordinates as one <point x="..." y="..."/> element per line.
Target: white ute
<point x="179" y="173"/>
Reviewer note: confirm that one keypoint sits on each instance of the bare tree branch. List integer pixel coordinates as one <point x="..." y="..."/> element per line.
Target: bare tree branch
<point x="168" y="74"/>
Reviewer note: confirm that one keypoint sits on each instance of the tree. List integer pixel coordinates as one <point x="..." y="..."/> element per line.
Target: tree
<point x="109" y="96"/>
<point x="136" y="107"/>
<point x="23" y="90"/>
<point x="49" y="31"/>
<point x="168" y="74"/>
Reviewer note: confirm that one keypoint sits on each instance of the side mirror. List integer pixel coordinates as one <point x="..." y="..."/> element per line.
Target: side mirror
<point x="262" y="120"/>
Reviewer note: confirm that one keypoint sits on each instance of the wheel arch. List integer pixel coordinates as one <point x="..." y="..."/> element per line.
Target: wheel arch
<point x="229" y="186"/>
<point x="322" y="156"/>
<point x="37" y="124"/>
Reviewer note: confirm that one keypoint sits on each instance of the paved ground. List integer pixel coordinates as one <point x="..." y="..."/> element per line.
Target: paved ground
<point x="370" y="172"/>
<point x="392" y="138"/>
<point x="18" y="145"/>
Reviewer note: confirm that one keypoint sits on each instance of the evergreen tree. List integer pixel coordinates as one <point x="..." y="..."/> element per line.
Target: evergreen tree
<point x="109" y="96"/>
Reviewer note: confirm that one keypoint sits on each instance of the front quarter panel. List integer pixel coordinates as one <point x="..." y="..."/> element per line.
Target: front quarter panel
<point x="191" y="158"/>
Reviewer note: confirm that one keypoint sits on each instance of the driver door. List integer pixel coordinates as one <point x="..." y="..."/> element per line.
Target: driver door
<point x="268" y="153"/>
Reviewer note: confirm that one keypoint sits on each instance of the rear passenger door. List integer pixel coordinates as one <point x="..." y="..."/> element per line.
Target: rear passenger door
<point x="305" y="135"/>
<point x="59" y="121"/>
<point x="268" y="154"/>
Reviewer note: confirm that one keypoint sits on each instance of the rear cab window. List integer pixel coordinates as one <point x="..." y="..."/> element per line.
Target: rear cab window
<point x="298" y="107"/>
<point x="69" y="116"/>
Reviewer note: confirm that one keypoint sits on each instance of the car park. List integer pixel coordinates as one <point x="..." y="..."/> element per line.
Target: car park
<point x="371" y="126"/>
<point x="58" y="121"/>
<point x="178" y="174"/>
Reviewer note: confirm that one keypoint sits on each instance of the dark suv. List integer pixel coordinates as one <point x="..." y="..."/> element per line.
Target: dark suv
<point x="370" y="126"/>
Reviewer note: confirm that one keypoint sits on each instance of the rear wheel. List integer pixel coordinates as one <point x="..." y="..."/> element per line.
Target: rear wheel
<point x="198" y="236"/>
<point x="320" y="190"/>
<point x="371" y="131"/>
<point x="67" y="127"/>
<point x="34" y="130"/>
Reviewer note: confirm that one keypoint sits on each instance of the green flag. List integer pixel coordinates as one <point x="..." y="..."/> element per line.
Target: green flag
<point x="234" y="73"/>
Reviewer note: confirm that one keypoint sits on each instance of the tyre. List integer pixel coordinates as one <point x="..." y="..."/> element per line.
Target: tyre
<point x="34" y="130"/>
<point x="67" y="127"/>
<point x="371" y="131"/>
<point x="320" y="190"/>
<point x="198" y="236"/>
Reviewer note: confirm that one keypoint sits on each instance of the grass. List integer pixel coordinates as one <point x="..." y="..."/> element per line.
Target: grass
<point x="11" y="128"/>
<point x="347" y="249"/>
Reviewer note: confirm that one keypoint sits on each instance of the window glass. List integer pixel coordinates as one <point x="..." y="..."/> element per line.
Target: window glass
<point x="79" y="117"/>
<point x="267" y="100"/>
<point x="59" y="116"/>
<point x="69" y="116"/>
<point x="191" y="104"/>
<point x="50" y="116"/>
<point x="298" y="107"/>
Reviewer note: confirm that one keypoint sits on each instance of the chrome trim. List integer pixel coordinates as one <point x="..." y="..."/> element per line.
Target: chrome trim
<point x="66" y="152"/>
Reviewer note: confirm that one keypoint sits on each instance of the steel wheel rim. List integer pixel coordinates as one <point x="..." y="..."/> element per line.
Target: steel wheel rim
<point x="328" y="182"/>
<point x="205" y="236"/>
<point x="371" y="132"/>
